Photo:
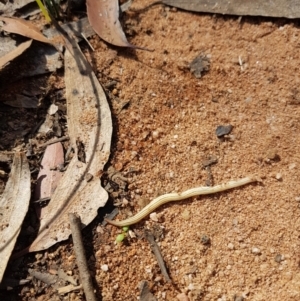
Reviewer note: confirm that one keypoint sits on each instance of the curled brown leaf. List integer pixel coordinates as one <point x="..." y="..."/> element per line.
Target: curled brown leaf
<point x="103" y="16"/>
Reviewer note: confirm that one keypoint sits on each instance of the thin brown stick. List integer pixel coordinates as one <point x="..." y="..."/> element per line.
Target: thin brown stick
<point x="155" y="249"/>
<point x="86" y="279"/>
<point x="64" y="138"/>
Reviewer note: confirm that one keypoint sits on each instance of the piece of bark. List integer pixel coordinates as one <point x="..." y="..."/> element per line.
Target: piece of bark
<point x="268" y="8"/>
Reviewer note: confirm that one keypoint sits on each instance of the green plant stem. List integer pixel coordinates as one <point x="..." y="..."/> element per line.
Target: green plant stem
<point x="43" y="9"/>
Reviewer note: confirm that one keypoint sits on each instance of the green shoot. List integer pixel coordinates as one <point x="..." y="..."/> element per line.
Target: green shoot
<point x="44" y="10"/>
<point x="120" y="237"/>
<point x="125" y="229"/>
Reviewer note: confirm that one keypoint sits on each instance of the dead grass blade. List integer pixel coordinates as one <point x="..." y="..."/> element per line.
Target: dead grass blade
<point x="23" y="28"/>
<point x="4" y="60"/>
<point x="90" y="125"/>
<point x="13" y="207"/>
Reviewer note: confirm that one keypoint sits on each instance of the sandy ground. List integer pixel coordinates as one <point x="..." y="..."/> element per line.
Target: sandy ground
<point x="165" y="122"/>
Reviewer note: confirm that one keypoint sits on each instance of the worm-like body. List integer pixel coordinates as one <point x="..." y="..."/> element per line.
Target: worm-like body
<point x="172" y="197"/>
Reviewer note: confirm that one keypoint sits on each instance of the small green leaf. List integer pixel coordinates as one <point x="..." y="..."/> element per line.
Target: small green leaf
<point x="120" y="237"/>
<point x="125" y="229"/>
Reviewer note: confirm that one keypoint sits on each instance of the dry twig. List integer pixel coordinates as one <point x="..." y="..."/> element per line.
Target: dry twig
<point x="85" y="276"/>
<point x="155" y="249"/>
<point x="61" y="139"/>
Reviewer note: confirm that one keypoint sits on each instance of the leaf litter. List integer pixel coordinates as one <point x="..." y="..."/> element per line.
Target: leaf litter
<point x="14" y="204"/>
<point x="4" y="60"/>
<point x="24" y="28"/>
<point x="89" y="118"/>
<point x="84" y="142"/>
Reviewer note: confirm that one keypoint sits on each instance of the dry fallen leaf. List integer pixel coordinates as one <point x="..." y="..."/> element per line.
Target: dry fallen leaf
<point x="4" y="60"/>
<point x="13" y="207"/>
<point x="89" y="120"/>
<point x="104" y="18"/>
<point x="10" y="7"/>
<point x="50" y="173"/>
<point x="23" y="101"/>
<point x="44" y="277"/>
<point x="23" y="28"/>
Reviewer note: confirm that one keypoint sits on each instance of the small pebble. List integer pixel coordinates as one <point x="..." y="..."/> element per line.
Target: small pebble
<point x="116" y="286"/>
<point x="104" y="267"/>
<point x="292" y="166"/>
<point x="185" y="214"/>
<point x="230" y="246"/>
<point x="205" y="240"/>
<point x="191" y="287"/>
<point x="125" y="202"/>
<point x="255" y="250"/>
<point x="223" y="130"/>
<point x="200" y="64"/>
<point x="278" y="176"/>
<point x="131" y="234"/>
<point x="153" y="216"/>
<point x="52" y="109"/>
<point x="118" y="166"/>
<point x="278" y="258"/>
<point x="155" y="134"/>
<point x="271" y="154"/>
<point x="99" y="229"/>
